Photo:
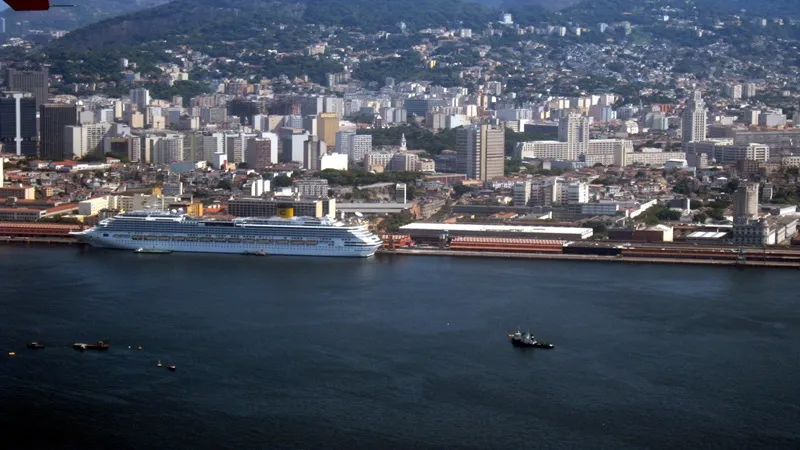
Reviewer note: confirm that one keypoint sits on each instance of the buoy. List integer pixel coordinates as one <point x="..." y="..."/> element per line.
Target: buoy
<point x="11" y="354"/>
<point x="129" y="346"/>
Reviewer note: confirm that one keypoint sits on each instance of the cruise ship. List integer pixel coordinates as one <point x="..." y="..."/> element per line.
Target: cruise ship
<point x="178" y="232"/>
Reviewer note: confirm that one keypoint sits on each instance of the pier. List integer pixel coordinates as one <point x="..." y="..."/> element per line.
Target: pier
<point x="666" y="259"/>
<point x="39" y="240"/>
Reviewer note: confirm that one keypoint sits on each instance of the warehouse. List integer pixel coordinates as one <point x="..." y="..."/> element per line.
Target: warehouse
<point x="433" y="232"/>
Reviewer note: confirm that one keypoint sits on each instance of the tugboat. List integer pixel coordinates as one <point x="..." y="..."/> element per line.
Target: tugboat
<point x="36" y="345"/>
<point x="99" y="345"/>
<point x="526" y="340"/>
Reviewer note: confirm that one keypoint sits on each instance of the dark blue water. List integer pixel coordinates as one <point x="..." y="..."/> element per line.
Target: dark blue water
<point x="394" y="352"/>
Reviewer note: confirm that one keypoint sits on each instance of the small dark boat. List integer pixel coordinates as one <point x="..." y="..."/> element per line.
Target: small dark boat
<point x="526" y="340"/>
<point x="36" y="345"/>
<point x="99" y="345"/>
<point x="172" y="368"/>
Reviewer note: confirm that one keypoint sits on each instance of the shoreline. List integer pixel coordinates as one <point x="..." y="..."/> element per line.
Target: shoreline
<point x="594" y="258"/>
<point x="51" y="241"/>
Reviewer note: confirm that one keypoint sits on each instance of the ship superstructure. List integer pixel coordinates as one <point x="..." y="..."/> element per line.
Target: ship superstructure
<point x="306" y="236"/>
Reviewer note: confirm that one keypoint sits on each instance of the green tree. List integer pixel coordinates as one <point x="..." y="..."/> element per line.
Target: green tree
<point x="282" y="181"/>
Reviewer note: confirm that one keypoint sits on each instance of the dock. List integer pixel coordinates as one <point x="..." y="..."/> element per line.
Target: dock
<point x="582" y="257"/>
<point x="39" y="240"/>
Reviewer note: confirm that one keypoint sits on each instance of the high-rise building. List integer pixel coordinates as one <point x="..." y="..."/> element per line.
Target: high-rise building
<point x="749" y="90"/>
<point x="355" y="146"/>
<point x="327" y="127"/>
<point x="168" y="150"/>
<point x="18" y="123"/>
<point x="574" y="130"/>
<point x="54" y="118"/>
<point x="733" y="91"/>
<point x="693" y="119"/>
<point x="401" y="193"/>
<point x="82" y="140"/>
<point x="261" y="153"/>
<point x="140" y="97"/>
<point x="481" y="151"/>
<point x="745" y="202"/>
<point x="313" y="149"/>
<point x="33" y="82"/>
<point x="522" y="193"/>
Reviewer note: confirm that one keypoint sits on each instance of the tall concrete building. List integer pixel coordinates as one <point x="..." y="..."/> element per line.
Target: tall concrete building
<point x="168" y="150"/>
<point x="54" y="118"/>
<point x="328" y="126"/>
<point x="749" y="90"/>
<point x="18" y="123"/>
<point x="261" y="153"/>
<point x="33" y="82"/>
<point x="140" y="97"/>
<point x="313" y="149"/>
<point x="745" y="202"/>
<point x="574" y="130"/>
<point x="693" y="119"/>
<point x="480" y="151"/>
<point x="355" y="146"/>
<point x="82" y="140"/>
<point x="311" y="125"/>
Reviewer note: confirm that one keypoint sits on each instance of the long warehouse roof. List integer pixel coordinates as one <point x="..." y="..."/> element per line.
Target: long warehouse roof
<point x="495" y="228"/>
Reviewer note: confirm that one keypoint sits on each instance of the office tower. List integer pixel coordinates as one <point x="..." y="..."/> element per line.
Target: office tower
<point x="18" y="123"/>
<point x="261" y="153"/>
<point x="54" y="118"/>
<point x="343" y="140"/>
<point x="311" y="106"/>
<point x="693" y="119"/>
<point x="311" y="125"/>
<point x="140" y="97"/>
<point x="334" y="105"/>
<point x="355" y="146"/>
<point x="745" y="201"/>
<point x="313" y="149"/>
<point x="168" y="150"/>
<point x="401" y="193"/>
<point x="574" y="129"/>
<point x="32" y="82"/>
<point x="292" y="144"/>
<point x="328" y="126"/>
<point x="481" y="151"/>
<point x="82" y="140"/>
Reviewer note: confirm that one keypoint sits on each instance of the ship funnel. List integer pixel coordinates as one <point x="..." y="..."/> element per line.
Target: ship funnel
<point x="285" y="210"/>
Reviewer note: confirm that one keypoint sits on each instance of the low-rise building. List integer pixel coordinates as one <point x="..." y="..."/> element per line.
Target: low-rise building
<point x="433" y="231"/>
<point x="257" y="207"/>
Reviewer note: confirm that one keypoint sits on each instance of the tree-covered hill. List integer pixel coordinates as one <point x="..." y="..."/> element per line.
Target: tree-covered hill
<point x="214" y="21"/>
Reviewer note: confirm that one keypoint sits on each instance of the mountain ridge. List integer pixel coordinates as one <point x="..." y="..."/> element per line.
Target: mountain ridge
<point x="233" y="19"/>
<point x="83" y="13"/>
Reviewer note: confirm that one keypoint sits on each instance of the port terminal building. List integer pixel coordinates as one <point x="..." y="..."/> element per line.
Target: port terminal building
<point x="435" y="232"/>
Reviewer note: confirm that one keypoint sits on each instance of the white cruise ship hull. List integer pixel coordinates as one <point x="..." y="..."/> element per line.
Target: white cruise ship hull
<point x="288" y="248"/>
